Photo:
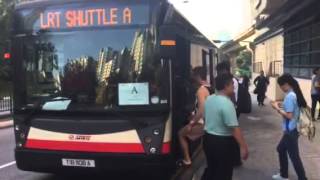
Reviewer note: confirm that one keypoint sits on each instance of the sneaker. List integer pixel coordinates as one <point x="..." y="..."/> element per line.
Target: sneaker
<point x="278" y="177"/>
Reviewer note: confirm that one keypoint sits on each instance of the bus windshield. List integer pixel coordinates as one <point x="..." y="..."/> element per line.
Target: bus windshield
<point x="93" y="69"/>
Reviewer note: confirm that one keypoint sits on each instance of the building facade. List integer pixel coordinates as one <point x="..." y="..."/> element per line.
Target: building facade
<point x="291" y="44"/>
<point x="269" y="58"/>
<point x="267" y="53"/>
<point x="268" y="45"/>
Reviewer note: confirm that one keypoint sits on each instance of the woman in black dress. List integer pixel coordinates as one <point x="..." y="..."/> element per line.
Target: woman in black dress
<point x="261" y="83"/>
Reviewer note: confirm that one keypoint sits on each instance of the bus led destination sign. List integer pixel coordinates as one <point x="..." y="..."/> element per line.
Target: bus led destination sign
<point x="93" y="17"/>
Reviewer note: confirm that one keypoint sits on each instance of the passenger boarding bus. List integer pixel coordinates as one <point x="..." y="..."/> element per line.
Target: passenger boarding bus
<point x="102" y="85"/>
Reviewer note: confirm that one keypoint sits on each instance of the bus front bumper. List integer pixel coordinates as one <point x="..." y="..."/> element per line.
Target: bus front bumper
<point x="51" y="161"/>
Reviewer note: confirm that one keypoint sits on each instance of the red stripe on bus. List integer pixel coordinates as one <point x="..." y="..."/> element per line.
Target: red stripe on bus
<point x="166" y="148"/>
<point x="85" y="146"/>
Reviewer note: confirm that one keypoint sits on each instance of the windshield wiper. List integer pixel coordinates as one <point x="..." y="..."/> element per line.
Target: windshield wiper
<point x="38" y="108"/>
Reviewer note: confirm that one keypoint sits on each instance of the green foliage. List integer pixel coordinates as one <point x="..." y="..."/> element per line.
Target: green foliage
<point x="6" y="8"/>
<point x="244" y="62"/>
<point x="240" y="62"/>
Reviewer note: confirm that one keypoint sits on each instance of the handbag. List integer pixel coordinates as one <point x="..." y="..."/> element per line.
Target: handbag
<point x="306" y="126"/>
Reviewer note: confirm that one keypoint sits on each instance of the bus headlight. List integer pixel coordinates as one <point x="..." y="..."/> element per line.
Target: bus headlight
<point x="156" y="132"/>
<point x="153" y="150"/>
<point x="17" y="128"/>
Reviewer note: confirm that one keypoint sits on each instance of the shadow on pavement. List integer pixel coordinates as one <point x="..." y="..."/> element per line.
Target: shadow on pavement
<point x="182" y="174"/>
<point x="195" y="171"/>
<point x="251" y="174"/>
<point x="111" y="176"/>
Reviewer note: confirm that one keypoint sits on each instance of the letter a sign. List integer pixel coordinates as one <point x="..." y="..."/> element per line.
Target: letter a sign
<point x="134" y="90"/>
<point x="131" y="94"/>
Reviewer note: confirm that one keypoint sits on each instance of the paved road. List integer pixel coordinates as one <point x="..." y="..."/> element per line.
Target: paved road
<point x="8" y="170"/>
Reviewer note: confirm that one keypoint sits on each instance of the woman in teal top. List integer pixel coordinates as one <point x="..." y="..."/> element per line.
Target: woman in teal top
<point x="288" y="145"/>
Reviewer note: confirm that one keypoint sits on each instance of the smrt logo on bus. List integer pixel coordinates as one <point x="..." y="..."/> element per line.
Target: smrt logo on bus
<point x="86" y="18"/>
<point x="79" y="138"/>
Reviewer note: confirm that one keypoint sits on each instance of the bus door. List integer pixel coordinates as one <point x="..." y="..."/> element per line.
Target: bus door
<point x="168" y="52"/>
<point x="176" y="50"/>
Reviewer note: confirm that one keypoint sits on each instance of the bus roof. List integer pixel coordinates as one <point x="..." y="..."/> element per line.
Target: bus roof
<point x="189" y="30"/>
<point x="27" y="3"/>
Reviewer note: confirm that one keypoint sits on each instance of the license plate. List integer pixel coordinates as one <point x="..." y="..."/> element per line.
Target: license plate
<point x="79" y="163"/>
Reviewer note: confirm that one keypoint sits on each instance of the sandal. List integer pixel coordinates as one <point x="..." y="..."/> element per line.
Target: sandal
<point x="186" y="163"/>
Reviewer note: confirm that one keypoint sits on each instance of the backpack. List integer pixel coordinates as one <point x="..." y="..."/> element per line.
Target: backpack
<point x="306" y="126"/>
<point x="244" y="104"/>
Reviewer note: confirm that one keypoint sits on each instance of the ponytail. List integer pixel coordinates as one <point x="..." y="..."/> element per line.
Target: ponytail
<point x="296" y="88"/>
<point x="287" y="78"/>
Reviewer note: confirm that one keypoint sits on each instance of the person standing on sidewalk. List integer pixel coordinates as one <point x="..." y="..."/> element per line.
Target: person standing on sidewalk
<point x="288" y="145"/>
<point x="224" y="68"/>
<point x="261" y="83"/>
<point x="221" y="131"/>
<point x="315" y="92"/>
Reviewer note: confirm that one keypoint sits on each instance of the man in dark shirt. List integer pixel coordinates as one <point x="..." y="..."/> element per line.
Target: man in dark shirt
<point x="261" y="83"/>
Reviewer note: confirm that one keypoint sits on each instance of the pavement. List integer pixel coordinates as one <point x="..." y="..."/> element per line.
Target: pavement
<point x="4" y="114"/>
<point x="5" y="119"/>
<point x="262" y="130"/>
<point x="6" y="123"/>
